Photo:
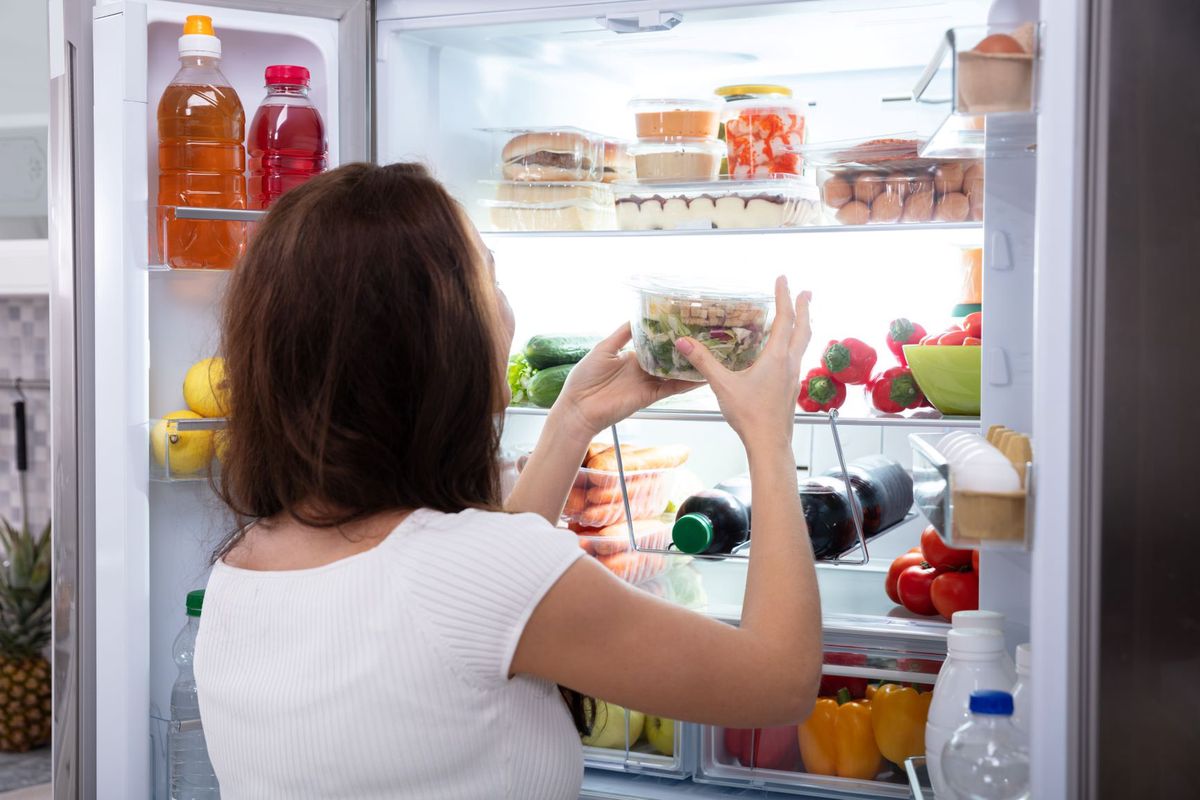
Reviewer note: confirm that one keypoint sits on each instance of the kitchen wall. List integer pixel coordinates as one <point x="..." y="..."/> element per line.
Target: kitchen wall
<point x="25" y="353"/>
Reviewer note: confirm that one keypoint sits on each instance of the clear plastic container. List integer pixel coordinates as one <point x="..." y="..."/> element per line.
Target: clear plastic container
<point x="610" y="546"/>
<point x="717" y="204"/>
<point x="677" y="159"/>
<point x="656" y="118"/>
<point x="554" y="154"/>
<point x="595" y="499"/>
<point x="626" y="741"/>
<point x="618" y="164"/>
<point x="988" y="758"/>
<point x="884" y="181"/>
<point x="764" y="129"/>
<point x="551" y="206"/>
<point x="733" y="325"/>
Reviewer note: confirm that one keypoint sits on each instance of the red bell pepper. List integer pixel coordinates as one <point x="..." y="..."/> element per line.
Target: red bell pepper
<point x="820" y="391"/>
<point x="973" y="324"/>
<point x="849" y="360"/>
<point x="901" y="332"/>
<point x="894" y="390"/>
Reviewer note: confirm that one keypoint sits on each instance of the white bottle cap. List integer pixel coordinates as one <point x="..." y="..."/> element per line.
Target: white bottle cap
<point x="1024" y="658"/>
<point x="974" y="641"/>
<point x="198" y="38"/>
<point x="978" y="620"/>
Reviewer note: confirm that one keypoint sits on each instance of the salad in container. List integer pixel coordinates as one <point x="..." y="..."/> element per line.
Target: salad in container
<point x="732" y="325"/>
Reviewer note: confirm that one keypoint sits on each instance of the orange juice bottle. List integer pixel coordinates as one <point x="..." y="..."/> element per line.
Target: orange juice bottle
<point x="201" y="159"/>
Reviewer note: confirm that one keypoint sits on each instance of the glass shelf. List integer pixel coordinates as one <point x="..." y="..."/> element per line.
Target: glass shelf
<point x="812" y="229"/>
<point x="922" y="418"/>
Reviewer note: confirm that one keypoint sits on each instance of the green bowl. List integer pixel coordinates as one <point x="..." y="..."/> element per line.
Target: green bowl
<point x="948" y="375"/>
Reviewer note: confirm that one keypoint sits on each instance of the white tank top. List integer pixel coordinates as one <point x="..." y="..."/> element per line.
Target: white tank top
<point x="385" y="674"/>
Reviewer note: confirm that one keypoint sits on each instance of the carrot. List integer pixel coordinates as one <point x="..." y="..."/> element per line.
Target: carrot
<point x="641" y="492"/>
<point x="576" y="501"/>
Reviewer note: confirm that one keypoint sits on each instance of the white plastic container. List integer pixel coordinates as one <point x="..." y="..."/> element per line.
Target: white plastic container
<point x="976" y="660"/>
<point x="1023" y="689"/>
<point x="981" y="619"/>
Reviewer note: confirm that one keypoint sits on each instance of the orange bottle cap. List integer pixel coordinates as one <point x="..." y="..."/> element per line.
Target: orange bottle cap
<point x="198" y="24"/>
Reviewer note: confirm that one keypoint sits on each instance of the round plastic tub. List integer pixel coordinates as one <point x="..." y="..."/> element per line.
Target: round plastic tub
<point x="764" y="129"/>
<point x="732" y="325"/>
<point x="656" y="118"/>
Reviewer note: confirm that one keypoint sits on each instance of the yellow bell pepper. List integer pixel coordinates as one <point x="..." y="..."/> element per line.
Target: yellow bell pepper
<point x="898" y="715"/>
<point x="837" y="738"/>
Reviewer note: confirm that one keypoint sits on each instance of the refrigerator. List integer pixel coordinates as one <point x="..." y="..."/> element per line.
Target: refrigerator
<point x="442" y="82"/>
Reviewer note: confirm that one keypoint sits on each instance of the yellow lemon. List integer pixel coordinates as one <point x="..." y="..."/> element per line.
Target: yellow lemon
<point x="189" y="452"/>
<point x="220" y="445"/>
<point x="204" y="388"/>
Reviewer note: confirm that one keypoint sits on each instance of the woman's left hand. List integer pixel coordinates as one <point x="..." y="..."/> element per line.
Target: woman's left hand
<point x="608" y="385"/>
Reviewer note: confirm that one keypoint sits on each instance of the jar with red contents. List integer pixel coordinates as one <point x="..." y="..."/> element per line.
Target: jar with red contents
<point x="764" y="128"/>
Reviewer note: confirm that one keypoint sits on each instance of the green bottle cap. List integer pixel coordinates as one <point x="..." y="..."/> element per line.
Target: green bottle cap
<point x="692" y="533"/>
<point x="195" y="601"/>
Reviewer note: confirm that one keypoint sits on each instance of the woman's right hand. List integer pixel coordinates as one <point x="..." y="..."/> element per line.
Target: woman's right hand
<point x="760" y="402"/>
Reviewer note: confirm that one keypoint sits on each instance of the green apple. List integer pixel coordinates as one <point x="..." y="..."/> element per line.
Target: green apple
<point x="608" y="730"/>
<point x="660" y="733"/>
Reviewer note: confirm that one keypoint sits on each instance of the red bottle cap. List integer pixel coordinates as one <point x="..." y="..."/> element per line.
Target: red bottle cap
<point x="287" y="75"/>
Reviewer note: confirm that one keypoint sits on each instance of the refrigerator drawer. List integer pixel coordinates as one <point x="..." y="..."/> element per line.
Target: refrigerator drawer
<point x="638" y="743"/>
<point x="772" y="758"/>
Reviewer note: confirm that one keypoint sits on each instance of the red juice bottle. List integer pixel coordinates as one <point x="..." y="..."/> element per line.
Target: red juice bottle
<point x="286" y="139"/>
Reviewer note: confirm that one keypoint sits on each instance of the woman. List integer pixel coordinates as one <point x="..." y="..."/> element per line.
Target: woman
<point x="383" y="628"/>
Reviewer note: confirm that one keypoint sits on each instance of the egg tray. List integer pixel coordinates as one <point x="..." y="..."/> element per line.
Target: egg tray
<point x="965" y="518"/>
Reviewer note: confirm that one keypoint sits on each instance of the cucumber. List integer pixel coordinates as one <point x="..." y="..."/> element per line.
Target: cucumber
<point x="545" y="385"/>
<point x="543" y="352"/>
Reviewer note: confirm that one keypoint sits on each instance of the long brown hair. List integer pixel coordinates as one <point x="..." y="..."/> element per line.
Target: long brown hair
<point x="360" y="337"/>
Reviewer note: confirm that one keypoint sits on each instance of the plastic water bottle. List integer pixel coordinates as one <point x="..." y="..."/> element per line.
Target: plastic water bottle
<point x="191" y="772"/>
<point x="988" y="758"/>
<point x="976" y="659"/>
<point x="286" y="141"/>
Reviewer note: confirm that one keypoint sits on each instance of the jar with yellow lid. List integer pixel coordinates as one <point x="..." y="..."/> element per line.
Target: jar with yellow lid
<point x="764" y="128"/>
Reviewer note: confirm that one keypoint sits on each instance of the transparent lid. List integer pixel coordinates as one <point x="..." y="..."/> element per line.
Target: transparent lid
<point x="659" y="104"/>
<point x="688" y="288"/>
<point x="547" y="129"/>
<point x="724" y="187"/>
<point x="881" y="151"/>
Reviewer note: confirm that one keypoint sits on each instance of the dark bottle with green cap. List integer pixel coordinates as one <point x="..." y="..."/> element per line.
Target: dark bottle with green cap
<point x="710" y="523"/>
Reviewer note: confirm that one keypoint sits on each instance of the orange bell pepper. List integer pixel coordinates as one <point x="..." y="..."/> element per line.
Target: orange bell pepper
<point x="837" y="739"/>
<point x="898" y="716"/>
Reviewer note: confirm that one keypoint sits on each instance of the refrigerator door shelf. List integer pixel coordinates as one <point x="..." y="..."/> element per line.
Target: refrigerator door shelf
<point x="186" y="222"/>
<point x="990" y="521"/>
<point x="991" y="98"/>
<point x="184" y="450"/>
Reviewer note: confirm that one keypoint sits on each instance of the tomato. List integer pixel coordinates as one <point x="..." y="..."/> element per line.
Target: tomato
<point x="955" y="591"/>
<point x="952" y="338"/>
<point x="901" y="563"/>
<point x="913" y="586"/>
<point x="941" y="555"/>
<point x="973" y="324"/>
<point x="930" y="339"/>
<point x="975" y="560"/>
<point x="972" y="341"/>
